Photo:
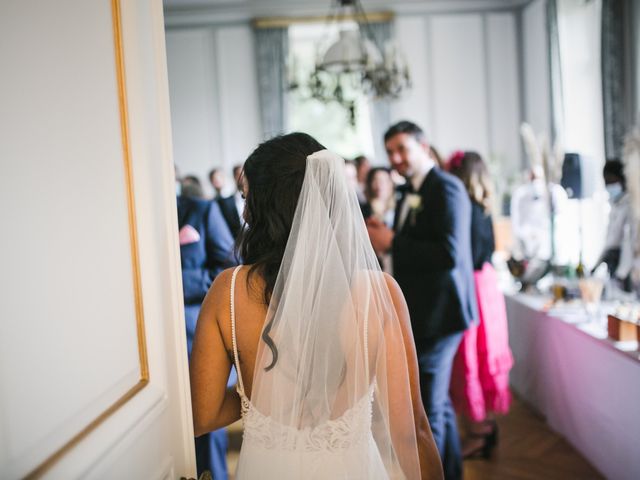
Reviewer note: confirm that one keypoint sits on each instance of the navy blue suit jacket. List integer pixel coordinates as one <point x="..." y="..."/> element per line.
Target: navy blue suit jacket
<point x="204" y="259"/>
<point x="432" y="258"/>
<point x="230" y="214"/>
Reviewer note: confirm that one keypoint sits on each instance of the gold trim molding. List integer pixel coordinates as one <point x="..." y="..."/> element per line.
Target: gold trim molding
<point x="283" y="22"/>
<point x="135" y="260"/>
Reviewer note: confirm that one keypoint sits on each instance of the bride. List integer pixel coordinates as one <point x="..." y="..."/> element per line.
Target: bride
<point x="320" y="337"/>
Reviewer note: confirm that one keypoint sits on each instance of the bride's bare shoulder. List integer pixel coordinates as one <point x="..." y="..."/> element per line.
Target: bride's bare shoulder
<point x="217" y="298"/>
<point x="220" y="290"/>
<point x="392" y="285"/>
<point x="222" y="282"/>
<point x="397" y="296"/>
<point x="380" y="278"/>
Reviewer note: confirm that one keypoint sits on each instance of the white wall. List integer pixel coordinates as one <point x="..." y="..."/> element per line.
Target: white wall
<point x="214" y="99"/>
<point x="466" y="92"/>
<point x="505" y="91"/>
<point x="413" y="38"/>
<point x="535" y="58"/>
<point x="464" y="67"/>
<point x="195" y="103"/>
<point x="457" y="93"/>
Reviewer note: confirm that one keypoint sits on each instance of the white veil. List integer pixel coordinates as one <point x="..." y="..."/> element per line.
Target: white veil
<point x="339" y="344"/>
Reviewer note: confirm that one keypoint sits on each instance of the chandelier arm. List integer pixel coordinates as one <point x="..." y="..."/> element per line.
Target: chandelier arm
<point x="368" y="33"/>
<point x="331" y="18"/>
<point x="386" y="77"/>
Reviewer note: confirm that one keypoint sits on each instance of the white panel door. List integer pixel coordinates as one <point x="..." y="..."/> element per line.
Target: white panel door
<point x="93" y="366"/>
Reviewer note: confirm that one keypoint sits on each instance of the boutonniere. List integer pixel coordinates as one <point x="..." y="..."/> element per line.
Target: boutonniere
<point x="415" y="201"/>
<point x="415" y="205"/>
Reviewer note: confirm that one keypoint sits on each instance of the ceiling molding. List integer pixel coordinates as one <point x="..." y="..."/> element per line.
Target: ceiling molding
<point x="182" y="13"/>
<point x="280" y="22"/>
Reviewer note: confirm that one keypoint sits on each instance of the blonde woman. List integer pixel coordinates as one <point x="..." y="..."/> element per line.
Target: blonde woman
<point x="480" y="375"/>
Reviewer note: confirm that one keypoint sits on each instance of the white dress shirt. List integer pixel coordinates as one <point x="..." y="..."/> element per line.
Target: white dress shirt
<point x="417" y="179"/>
<point x="619" y="234"/>
<point x="239" y="201"/>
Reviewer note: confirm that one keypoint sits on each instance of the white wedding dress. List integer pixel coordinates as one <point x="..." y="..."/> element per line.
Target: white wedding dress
<point x="336" y="449"/>
<point x="330" y="394"/>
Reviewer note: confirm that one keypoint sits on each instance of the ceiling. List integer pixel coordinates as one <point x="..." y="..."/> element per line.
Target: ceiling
<point x="188" y="13"/>
<point x="324" y="4"/>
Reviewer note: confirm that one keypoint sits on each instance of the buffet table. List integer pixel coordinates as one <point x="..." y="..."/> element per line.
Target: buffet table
<point x="587" y="386"/>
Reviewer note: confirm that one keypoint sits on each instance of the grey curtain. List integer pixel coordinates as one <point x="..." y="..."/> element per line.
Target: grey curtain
<point x="381" y="108"/>
<point x="272" y="50"/>
<point x="555" y="72"/>
<point x="615" y="92"/>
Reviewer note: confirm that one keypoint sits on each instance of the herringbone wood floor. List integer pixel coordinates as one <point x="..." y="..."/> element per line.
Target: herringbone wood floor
<point x="527" y="450"/>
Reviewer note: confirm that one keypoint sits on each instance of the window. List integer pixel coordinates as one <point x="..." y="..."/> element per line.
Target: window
<point x="329" y="123"/>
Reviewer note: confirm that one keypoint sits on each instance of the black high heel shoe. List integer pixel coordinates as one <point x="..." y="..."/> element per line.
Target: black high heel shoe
<point x="492" y="437"/>
<point x="484" y="448"/>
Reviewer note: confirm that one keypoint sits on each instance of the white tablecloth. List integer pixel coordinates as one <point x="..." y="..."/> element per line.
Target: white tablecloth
<point x="587" y="386"/>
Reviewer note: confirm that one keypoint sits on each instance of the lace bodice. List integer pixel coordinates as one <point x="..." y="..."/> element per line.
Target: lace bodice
<point x="351" y="429"/>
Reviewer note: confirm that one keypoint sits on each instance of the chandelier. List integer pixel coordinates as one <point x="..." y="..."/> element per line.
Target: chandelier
<point x="353" y="64"/>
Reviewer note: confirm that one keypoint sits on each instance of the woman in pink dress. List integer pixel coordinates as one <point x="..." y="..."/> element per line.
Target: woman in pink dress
<point x="480" y="375"/>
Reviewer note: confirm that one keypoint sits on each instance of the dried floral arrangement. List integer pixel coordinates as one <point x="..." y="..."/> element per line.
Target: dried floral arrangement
<point x="541" y="155"/>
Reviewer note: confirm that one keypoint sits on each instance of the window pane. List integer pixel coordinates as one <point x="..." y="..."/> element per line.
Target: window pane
<point x="330" y="123"/>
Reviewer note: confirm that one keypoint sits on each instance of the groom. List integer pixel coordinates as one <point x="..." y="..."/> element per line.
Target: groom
<point x="431" y="251"/>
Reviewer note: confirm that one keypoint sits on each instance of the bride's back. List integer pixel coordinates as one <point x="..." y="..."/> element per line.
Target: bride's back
<point x="250" y="312"/>
<point x="340" y="445"/>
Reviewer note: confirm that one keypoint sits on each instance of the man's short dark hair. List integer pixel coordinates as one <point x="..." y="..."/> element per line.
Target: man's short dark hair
<point x="615" y="168"/>
<point x="191" y="187"/>
<point x="405" y="127"/>
<point x="192" y="179"/>
<point x="360" y="159"/>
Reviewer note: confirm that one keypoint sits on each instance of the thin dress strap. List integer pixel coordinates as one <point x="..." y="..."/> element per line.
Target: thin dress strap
<point x="366" y="334"/>
<point x="236" y="359"/>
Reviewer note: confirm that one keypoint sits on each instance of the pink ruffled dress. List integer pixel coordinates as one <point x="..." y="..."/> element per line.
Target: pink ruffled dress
<point x="480" y="375"/>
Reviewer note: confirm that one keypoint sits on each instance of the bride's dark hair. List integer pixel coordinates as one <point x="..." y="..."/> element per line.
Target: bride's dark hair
<point x="274" y="173"/>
